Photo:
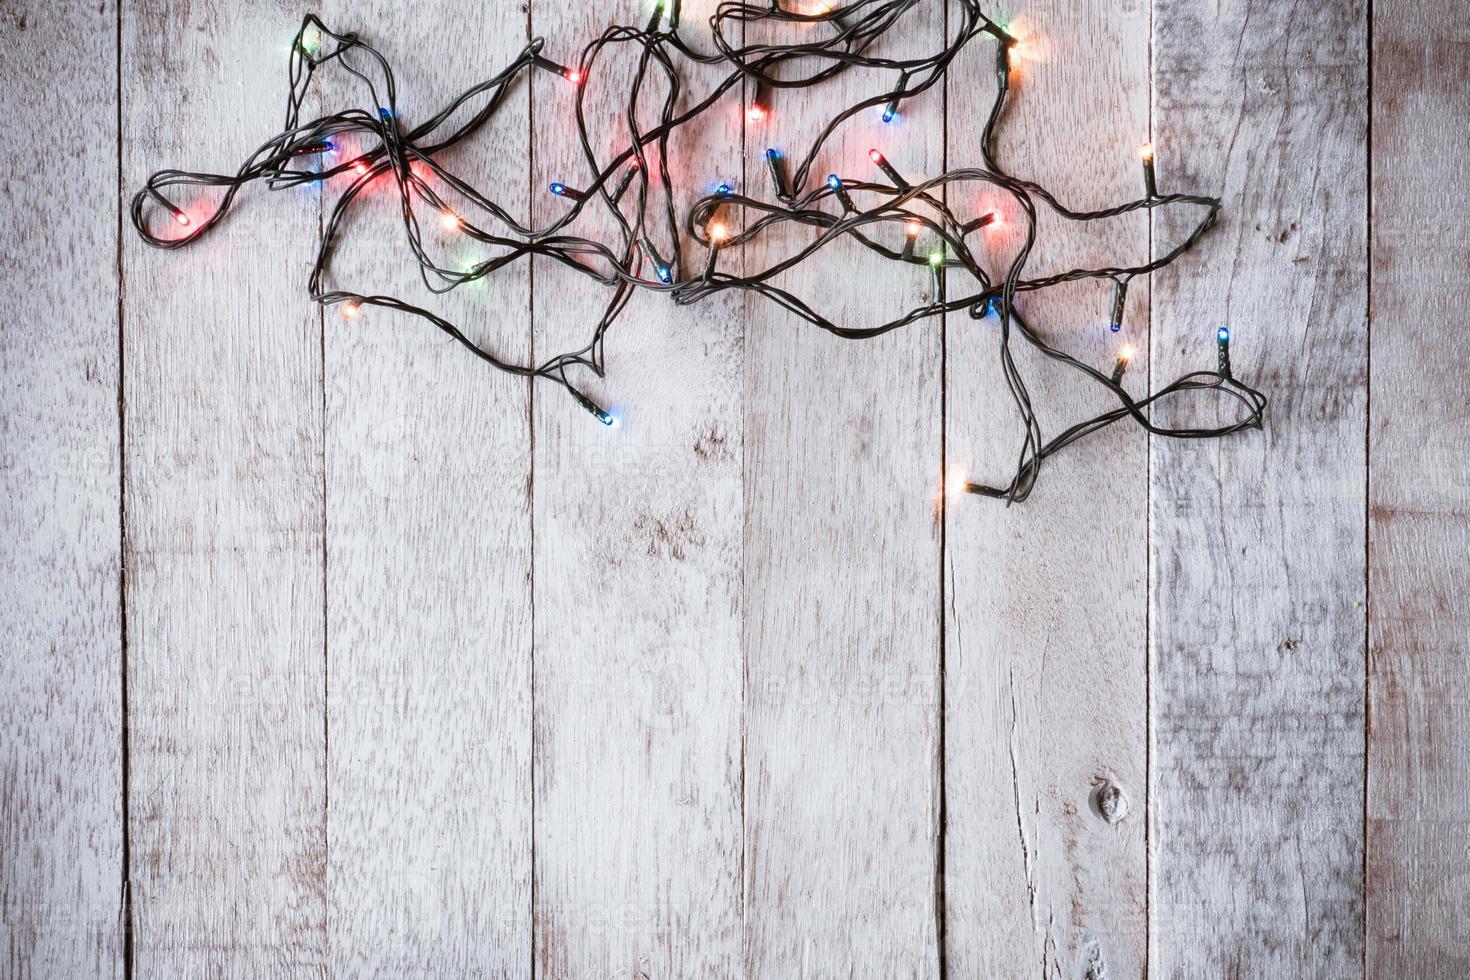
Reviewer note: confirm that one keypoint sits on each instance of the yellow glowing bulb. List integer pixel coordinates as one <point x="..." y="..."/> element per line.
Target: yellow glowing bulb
<point x="718" y="232"/>
<point x="954" y="482"/>
<point x="450" y="221"/>
<point x="351" y="310"/>
<point x="912" y="229"/>
<point x="1126" y="353"/>
<point x="1146" y="151"/>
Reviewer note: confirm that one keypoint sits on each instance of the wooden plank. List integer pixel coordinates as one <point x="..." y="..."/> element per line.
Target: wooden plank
<point x="1418" y="868"/>
<point x="638" y="560"/>
<point x="222" y="355"/>
<point x="1045" y="704"/>
<point x="429" y="538"/>
<point x="1257" y="634"/>
<point x="61" y="738"/>
<point x="842" y="615"/>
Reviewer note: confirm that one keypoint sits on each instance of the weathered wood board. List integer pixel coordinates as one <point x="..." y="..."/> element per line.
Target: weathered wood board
<point x="1418" y="858"/>
<point x="62" y="850"/>
<point x="224" y="516"/>
<point x="428" y="564"/>
<point x="334" y="652"/>
<point x="842" y="727"/>
<point x="1045" y="605"/>
<point x="637" y="560"/>
<point x="1256" y="637"/>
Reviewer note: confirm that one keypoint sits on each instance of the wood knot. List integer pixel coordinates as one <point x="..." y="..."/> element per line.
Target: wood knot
<point x="1109" y="801"/>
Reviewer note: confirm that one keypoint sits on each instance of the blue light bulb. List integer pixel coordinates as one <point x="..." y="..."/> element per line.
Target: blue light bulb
<point x="723" y="190"/>
<point x="663" y="274"/>
<point x="889" y="113"/>
<point x="772" y="153"/>
<point x="834" y="181"/>
<point x="1223" y="335"/>
<point x="559" y="189"/>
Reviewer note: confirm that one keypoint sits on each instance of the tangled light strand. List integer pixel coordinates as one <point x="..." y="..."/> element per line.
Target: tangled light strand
<point x="641" y="261"/>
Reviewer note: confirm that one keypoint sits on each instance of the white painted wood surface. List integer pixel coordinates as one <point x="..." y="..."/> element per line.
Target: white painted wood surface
<point x="61" y="659"/>
<point x="1418" y="866"/>
<point x="841" y="569"/>
<point x="1045" y="702"/>
<point x="428" y="564"/>
<point x="1257" y="626"/>
<point x="344" y="655"/>
<point x="223" y="510"/>
<point x="638" y="562"/>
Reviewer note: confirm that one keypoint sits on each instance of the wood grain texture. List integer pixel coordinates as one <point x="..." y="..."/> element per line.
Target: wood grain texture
<point x="1257" y="632"/>
<point x="638" y="562"/>
<point x="1418" y="867"/>
<point x="61" y="741"/>
<point x="1045" y="703"/>
<point x="429" y="542"/>
<point x="224" y="514"/>
<point x="842" y="567"/>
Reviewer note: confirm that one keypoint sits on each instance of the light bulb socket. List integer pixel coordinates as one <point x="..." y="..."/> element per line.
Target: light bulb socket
<point x="891" y="110"/>
<point x="660" y="268"/>
<point x="1120" y="297"/>
<point x="1005" y="38"/>
<point x="625" y="182"/>
<point x="1222" y="348"/>
<point x="777" y="169"/>
<point x="313" y="147"/>
<point x="835" y="183"/>
<point x="546" y="64"/>
<point x="1150" y="183"/>
<point x="173" y="209"/>
<point x="595" y="410"/>
<point x="988" y="218"/>
<point x="760" y="101"/>
<point x="881" y="162"/>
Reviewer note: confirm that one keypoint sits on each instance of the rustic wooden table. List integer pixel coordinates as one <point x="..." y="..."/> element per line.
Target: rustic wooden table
<point x="331" y="651"/>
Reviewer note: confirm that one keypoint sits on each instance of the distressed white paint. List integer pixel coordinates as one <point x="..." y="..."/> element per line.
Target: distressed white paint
<point x="1418" y="868"/>
<point x="428" y="660"/>
<point x="638" y="566"/>
<point x="223" y="502"/>
<point x="1046" y="605"/>
<point x="842" y="570"/>
<point x="1257" y="544"/>
<point x="372" y="630"/>
<point x="61" y="740"/>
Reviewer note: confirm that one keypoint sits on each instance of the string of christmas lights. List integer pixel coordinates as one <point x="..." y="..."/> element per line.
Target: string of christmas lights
<point x="648" y="254"/>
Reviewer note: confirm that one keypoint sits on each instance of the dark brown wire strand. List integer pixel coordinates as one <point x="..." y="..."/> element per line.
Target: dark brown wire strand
<point x="649" y="253"/>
